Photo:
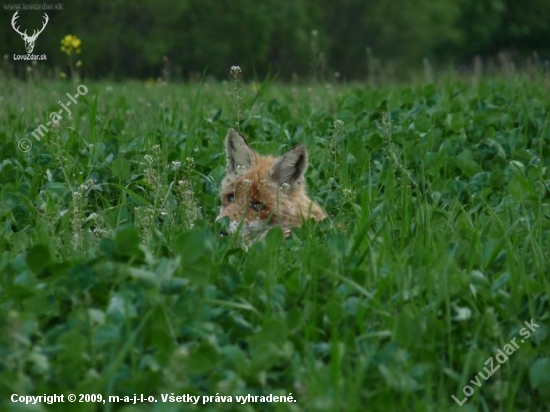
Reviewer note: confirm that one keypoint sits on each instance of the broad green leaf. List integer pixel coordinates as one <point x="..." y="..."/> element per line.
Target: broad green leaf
<point x="120" y="167"/>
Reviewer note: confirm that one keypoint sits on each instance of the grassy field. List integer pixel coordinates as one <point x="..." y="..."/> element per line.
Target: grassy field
<point x="113" y="281"/>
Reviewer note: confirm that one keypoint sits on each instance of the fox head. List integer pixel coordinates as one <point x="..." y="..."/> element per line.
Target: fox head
<point x="259" y="192"/>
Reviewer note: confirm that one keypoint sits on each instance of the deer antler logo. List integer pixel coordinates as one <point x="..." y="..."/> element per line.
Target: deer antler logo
<point x="29" y="40"/>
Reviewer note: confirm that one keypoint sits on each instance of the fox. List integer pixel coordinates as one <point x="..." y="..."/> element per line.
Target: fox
<point x="261" y="192"/>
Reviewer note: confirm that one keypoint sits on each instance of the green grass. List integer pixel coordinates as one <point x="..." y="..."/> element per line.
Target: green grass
<point x="113" y="280"/>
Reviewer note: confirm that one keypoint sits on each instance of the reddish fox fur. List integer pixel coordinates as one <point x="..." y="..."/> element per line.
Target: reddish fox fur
<point x="260" y="192"/>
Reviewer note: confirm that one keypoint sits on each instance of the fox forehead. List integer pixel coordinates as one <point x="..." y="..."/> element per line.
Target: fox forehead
<point x="261" y="169"/>
<point x="251" y="180"/>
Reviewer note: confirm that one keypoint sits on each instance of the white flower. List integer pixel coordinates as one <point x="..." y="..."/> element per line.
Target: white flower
<point x="93" y="216"/>
<point x="240" y="169"/>
<point x="339" y="124"/>
<point x="462" y="313"/>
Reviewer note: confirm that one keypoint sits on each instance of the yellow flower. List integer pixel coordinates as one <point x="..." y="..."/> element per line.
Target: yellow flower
<point x="79" y="63"/>
<point x="70" y="44"/>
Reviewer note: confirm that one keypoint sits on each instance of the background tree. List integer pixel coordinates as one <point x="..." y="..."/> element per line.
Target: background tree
<point x="154" y="38"/>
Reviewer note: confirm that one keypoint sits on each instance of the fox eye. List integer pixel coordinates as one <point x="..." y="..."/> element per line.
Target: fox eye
<point x="230" y="197"/>
<point x="257" y="206"/>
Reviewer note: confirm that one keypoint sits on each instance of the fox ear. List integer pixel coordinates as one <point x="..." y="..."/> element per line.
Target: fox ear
<point x="237" y="151"/>
<point x="291" y="167"/>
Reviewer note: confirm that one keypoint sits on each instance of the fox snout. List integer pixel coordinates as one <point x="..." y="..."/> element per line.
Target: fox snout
<point x="239" y="219"/>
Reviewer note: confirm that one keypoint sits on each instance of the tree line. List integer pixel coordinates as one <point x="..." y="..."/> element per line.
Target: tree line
<point x="299" y="38"/>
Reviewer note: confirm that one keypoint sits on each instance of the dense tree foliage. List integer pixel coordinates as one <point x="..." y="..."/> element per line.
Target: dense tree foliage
<point x="190" y="37"/>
